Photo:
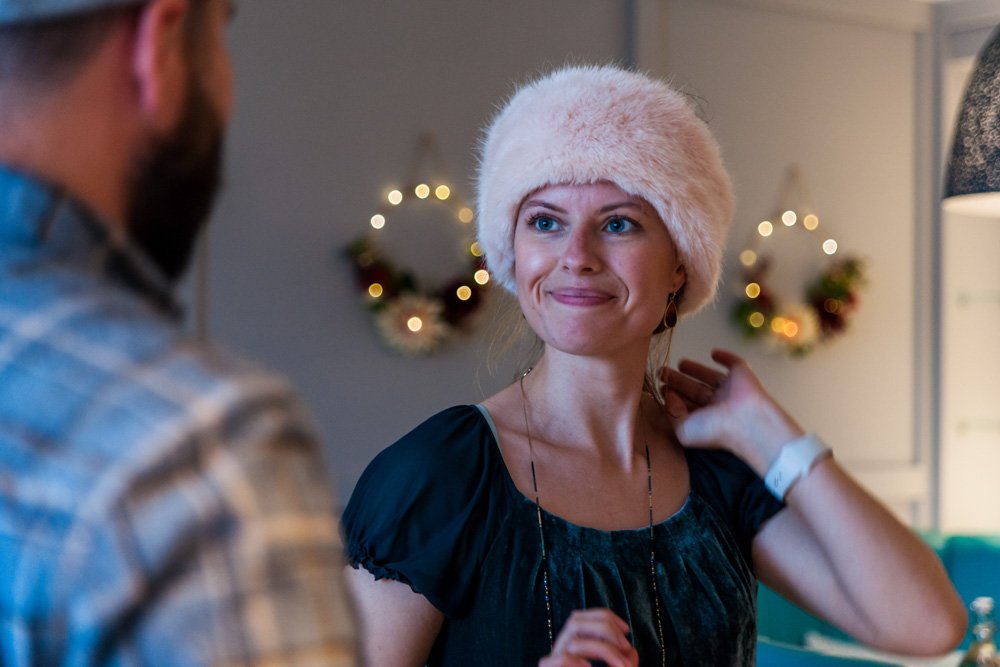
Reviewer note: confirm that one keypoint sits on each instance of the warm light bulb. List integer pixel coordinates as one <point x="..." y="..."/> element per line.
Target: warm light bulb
<point x="791" y="329"/>
<point x="476" y="249"/>
<point x="395" y="197"/>
<point x="748" y="257"/>
<point x="378" y="221"/>
<point x="422" y="191"/>
<point x="442" y="192"/>
<point x="414" y="324"/>
<point x="829" y="246"/>
<point x="810" y="222"/>
<point x="753" y="290"/>
<point x="765" y="228"/>
<point x="778" y="324"/>
<point x="789" y="218"/>
<point x="482" y="276"/>
<point x="464" y="293"/>
<point x="465" y="215"/>
<point x="756" y="319"/>
<point x="375" y="290"/>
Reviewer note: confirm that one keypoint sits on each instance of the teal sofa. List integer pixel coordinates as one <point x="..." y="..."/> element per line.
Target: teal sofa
<point x="972" y="563"/>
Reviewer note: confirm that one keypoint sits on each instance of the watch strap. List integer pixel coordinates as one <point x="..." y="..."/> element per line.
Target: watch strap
<point x="794" y="462"/>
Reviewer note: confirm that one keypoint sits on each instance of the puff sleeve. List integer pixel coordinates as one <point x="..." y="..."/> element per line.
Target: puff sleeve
<point x="733" y="490"/>
<point x="423" y="511"/>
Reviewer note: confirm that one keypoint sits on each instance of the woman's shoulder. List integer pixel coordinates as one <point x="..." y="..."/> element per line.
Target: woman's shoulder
<point x="724" y="480"/>
<point x="453" y="439"/>
<point x="424" y="510"/>
<point x="733" y="490"/>
<point x="717" y="471"/>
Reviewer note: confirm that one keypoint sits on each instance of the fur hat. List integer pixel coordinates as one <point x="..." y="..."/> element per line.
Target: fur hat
<point x="582" y="125"/>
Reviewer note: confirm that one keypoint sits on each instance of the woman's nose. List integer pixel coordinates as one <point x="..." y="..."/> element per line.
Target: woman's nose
<point x="581" y="253"/>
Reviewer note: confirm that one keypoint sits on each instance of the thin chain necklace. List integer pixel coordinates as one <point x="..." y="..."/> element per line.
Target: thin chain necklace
<point x="541" y="530"/>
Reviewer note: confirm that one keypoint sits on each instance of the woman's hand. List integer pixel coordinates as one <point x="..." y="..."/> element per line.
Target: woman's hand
<point x="592" y="634"/>
<point x="727" y="408"/>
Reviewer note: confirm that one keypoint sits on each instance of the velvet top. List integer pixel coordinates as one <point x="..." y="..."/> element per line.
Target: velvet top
<point x="439" y="511"/>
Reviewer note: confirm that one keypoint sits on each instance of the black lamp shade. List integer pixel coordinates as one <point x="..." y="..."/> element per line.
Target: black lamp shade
<point x="972" y="186"/>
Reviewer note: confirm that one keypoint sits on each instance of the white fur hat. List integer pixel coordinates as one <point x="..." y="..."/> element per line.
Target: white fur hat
<point x="588" y="124"/>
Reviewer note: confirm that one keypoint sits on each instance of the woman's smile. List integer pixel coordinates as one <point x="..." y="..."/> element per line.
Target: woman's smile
<point x="580" y="296"/>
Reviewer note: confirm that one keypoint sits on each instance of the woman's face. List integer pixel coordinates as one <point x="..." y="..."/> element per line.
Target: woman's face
<point x="593" y="267"/>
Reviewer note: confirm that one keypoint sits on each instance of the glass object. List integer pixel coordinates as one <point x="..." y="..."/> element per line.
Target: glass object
<point x="983" y="649"/>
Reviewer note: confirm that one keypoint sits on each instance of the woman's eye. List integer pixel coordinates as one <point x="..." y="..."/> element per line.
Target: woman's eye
<point x="618" y="225"/>
<point x="544" y="223"/>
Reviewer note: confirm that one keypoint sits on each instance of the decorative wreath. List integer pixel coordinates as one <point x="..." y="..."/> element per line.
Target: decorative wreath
<point x="414" y="319"/>
<point x="829" y="302"/>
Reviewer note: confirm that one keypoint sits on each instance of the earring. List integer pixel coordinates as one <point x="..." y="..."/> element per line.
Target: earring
<point x="670" y="314"/>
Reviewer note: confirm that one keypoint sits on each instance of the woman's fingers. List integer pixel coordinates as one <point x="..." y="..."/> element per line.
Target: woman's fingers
<point x="695" y="392"/>
<point x="700" y="399"/>
<point x="601" y="624"/>
<point x="700" y="385"/>
<point x="727" y="408"/>
<point x="677" y="408"/>
<point x="594" y="634"/>
<point x="727" y="358"/>
<point x="702" y="373"/>
<point x="563" y="661"/>
<point x="595" y="649"/>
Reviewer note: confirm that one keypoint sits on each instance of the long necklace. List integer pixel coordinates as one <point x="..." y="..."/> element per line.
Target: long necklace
<point x="541" y="531"/>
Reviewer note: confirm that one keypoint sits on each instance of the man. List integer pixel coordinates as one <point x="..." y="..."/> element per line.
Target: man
<point x="160" y="502"/>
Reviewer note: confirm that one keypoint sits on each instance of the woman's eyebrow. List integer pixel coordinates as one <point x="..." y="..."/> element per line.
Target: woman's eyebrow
<point x="542" y="204"/>
<point x="604" y="209"/>
<point x="624" y="204"/>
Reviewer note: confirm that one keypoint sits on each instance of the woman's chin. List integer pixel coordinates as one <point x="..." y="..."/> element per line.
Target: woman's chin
<point x="591" y="343"/>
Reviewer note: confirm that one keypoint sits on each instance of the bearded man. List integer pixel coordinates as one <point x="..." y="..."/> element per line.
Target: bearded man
<point x="161" y="503"/>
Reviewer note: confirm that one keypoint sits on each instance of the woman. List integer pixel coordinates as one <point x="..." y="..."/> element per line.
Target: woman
<point x="572" y="517"/>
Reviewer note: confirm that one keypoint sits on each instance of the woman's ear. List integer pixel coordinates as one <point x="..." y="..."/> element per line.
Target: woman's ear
<point x="160" y="62"/>
<point x="680" y="278"/>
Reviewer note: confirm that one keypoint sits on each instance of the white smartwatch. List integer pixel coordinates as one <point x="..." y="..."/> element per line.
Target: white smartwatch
<point x="794" y="462"/>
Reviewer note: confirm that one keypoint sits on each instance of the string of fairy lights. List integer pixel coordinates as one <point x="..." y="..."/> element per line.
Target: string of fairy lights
<point x="412" y="318"/>
<point x="829" y="299"/>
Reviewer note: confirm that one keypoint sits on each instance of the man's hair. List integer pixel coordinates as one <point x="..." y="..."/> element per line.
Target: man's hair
<point x="47" y="54"/>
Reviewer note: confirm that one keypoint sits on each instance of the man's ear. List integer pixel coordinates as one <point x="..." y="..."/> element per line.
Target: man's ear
<point x="160" y="62"/>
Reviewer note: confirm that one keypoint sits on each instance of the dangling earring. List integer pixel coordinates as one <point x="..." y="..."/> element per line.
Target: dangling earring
<point x="667" y="324"/>
<point x="670" y="314"/>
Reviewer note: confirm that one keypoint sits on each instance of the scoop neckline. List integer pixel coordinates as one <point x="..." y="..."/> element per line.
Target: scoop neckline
<point x="519" y="496"/>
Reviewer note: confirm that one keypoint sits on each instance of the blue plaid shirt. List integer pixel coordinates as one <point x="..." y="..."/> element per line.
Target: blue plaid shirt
<point x="160" y="502"/>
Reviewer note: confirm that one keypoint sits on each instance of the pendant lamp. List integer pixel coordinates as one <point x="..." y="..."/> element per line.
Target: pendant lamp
<point x="972" y="185"/>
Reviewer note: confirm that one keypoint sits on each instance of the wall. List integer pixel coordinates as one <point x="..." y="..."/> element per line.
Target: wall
<point x="838" y="95"/>
<point x="332" y="96"/>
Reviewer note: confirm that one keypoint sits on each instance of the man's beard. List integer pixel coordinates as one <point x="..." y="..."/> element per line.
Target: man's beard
<point x="176" y="180"/>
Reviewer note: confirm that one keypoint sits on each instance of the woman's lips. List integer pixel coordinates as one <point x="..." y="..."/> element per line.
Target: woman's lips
<point x="571" y="296"/>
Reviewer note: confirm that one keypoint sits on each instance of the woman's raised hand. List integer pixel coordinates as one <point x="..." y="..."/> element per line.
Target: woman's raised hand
<point x="592" y="634"/>
<point x="727" y="408"/>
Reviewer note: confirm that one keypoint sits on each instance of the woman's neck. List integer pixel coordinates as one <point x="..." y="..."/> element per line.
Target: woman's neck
<point x="588" y="403"/>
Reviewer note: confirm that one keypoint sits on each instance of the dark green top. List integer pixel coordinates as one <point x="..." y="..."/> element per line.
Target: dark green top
<point x="439" y="511"/>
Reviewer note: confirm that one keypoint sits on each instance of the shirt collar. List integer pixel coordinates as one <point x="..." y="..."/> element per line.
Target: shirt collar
<point x="42" y="217"/>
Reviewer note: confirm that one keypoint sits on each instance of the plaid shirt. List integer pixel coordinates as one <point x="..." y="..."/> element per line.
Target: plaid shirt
<point x="160" y="502"/>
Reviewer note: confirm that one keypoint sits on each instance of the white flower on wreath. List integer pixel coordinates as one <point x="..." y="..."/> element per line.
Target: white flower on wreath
<point x="412" y="324"/>
<point x="802" y="329"/>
